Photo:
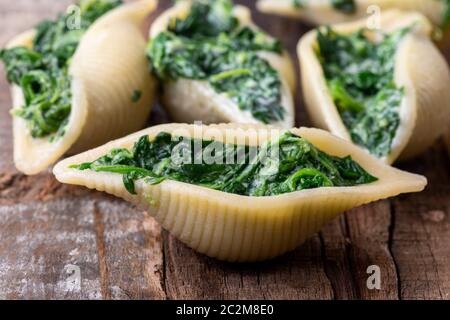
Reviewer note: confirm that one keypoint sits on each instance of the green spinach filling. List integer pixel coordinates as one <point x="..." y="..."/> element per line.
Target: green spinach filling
<point x="360" y="77"/>
<point x="209" y="44"/>
<point x="286" y="164"/>
<point x="345" y="6"/>
<point x="42" y="71"/>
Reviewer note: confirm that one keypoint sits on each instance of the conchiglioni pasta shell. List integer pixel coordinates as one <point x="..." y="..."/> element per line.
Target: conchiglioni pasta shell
<point x="191" y="100"/>
<point x="107" y="67"/>
<point x="241" y="228"/>
<point x="322" y="12"/>
<point x="420" y="69"/>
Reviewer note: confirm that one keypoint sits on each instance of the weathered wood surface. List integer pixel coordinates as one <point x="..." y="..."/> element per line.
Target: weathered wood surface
<point x="50" y="233"/>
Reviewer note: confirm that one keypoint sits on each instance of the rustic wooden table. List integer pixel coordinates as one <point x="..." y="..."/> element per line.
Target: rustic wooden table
<point x="63" y="242"/>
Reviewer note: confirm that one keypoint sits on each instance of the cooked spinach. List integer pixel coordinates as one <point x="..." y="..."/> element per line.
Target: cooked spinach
<point x="298" y="3"/>
<point x="285" y="164"/>
<point x="446" y="15"/>
<point x="360" y="76"/>
<point x="42" y="71"/>
<point x="346" y="6"/>
<point x="209" y="44"/>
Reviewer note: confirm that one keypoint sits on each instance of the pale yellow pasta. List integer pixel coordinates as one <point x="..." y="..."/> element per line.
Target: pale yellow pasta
<point x="419" y="68"/>
<point x="241" y="228"/>
<point x="107" y="67"/>
<point x="190" y="100"/>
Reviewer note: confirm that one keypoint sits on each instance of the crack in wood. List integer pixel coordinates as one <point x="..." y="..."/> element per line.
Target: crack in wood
<point x="352" y="243"/>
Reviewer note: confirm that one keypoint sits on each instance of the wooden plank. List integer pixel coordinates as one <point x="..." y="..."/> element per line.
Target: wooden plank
<point x="113" y="243"/>
<point x="17" y="17"/>
<point x="289" y="32"/>
<point x="352" y="243"/>
<point x="296" y="275"/>
<point x="21" y="15"/>
<point x="422" y="231"/>
<point x="343" y="253"/>
<point x="370" y="231"/>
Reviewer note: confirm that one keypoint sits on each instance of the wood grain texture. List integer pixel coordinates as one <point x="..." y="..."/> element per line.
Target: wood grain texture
<point x="49" y="230"/>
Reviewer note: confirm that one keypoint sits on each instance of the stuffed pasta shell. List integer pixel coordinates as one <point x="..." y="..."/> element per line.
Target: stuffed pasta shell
<point x="323" y="12"/>
<point x="238" y="192"/>
<point x="216" y="66"/>
<point x="384" y="89"/>
<point x="74" y="82"/>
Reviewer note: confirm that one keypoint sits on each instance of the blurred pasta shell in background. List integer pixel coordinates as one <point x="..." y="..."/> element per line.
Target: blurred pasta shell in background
<point x="419" y="68"/>
<point x="194" y="100"/>
<point x="107" y="67"/>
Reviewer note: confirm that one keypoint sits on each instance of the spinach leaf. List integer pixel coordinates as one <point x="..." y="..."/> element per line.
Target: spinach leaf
<point x="346" y="6"/>
<point x="360" y="76"/>
<point x="210" y="45"/>
<point x="18" y="61"/>
<point x="42" y="71"/>
<point x="286" y="164"/>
